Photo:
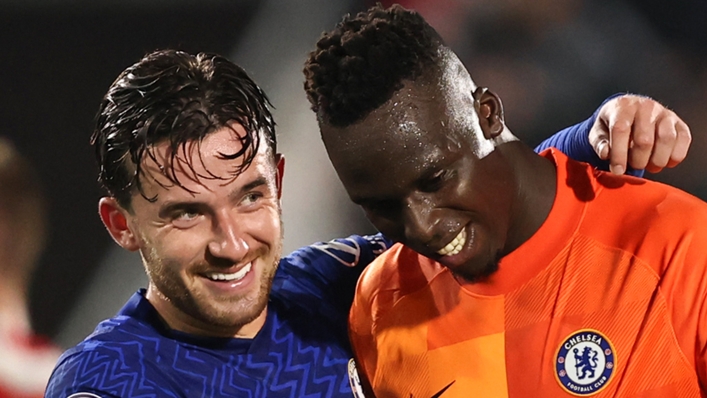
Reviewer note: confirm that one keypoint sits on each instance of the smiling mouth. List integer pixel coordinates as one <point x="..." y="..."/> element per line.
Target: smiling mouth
<point x="230" y="277"/>
<point x="455" y="246"/>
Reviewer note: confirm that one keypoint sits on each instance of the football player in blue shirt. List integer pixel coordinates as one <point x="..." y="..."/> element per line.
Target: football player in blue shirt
<point x="187" y="153"/>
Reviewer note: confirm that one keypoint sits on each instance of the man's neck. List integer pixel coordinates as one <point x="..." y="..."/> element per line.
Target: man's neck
<point x="182" y="322"/>
<point x="536" y="187"/>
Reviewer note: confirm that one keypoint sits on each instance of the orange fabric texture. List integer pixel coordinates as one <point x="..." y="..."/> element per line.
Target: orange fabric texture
<point x="607" y="299"/>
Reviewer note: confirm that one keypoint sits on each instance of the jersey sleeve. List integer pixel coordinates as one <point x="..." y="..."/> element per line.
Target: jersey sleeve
<point x="321" y="278"/>
<point x="111" y="369"/>
<point x="67" y="378"/>
<point x="573" y="141"/>
<point x="97" y="373"/>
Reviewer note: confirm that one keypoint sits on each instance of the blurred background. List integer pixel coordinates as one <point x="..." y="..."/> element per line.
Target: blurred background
<point x="551" y="61"/>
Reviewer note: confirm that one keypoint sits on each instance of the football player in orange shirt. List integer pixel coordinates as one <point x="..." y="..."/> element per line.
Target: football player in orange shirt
<point x="516" y="275"/>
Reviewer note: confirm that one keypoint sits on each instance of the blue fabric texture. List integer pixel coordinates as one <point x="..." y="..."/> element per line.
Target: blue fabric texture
<point x="302" y="350"/>
<point x="573" y="141"/>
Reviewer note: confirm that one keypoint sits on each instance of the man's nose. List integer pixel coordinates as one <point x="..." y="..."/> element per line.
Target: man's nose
<point x="228" y="241"/>
<point x="419" y="221"/>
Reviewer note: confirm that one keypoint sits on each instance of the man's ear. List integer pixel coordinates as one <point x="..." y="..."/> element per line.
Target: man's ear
<point x="490" y="110"/>
<point x="280" y="162"/>
<point x="114" y="218"/>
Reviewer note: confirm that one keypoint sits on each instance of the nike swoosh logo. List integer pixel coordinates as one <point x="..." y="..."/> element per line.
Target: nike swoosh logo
<point x="440" y="392"/>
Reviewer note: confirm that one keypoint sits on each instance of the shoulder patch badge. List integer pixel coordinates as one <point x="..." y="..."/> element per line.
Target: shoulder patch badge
<point x="585" y="362"/>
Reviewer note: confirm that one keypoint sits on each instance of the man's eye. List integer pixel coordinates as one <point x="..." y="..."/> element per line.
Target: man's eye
<point x="251" y="198"/>
<point x="185" y="218"/>
<point x="435" y="182"/>
<point x="186" y="215"/>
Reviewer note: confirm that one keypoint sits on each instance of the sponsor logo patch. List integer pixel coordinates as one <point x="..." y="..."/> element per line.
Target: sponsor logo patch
<point x="585" y="362"/>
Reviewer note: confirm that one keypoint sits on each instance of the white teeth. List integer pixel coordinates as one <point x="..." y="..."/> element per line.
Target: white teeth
<point x="236" y="276"/>
<point x="455" y="246"/>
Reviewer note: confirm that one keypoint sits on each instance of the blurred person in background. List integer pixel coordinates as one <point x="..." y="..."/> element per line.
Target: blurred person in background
<point x="26" y="359"/>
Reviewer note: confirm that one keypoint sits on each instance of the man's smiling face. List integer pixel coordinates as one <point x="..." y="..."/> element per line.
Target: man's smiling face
<point x="211" y="247"/>
<point x="426" y="173"/>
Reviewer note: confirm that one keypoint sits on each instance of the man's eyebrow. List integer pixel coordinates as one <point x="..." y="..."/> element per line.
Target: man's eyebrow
<point x="256" y="183"/>
<point x="434" y="164"/>
<point x="169" y="207"/>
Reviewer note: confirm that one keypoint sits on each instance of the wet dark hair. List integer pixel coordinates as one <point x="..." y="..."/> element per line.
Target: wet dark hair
<point x="358" y="66"/>
<point x="175" y="97"/>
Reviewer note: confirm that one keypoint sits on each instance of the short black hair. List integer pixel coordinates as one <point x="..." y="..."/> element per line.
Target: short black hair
<point x="358" y="66"/>
<point x="175" y="97"/>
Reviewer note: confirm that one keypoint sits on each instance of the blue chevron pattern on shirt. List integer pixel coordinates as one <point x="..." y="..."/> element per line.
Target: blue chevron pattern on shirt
<point x="302" y="350"/>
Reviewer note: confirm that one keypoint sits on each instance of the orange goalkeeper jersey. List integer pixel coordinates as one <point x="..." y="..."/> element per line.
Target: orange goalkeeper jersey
<point x="607" y="299"/>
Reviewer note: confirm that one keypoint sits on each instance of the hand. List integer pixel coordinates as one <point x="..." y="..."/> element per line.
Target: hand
<point x="640" y="132"/>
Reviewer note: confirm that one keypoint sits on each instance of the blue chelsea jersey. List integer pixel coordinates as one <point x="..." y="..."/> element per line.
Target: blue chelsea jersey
<point x="301" y="351"/>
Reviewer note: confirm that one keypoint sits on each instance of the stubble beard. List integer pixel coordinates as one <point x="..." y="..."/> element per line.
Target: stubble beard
<point x="484" y="272"/>
<point x="230" y="313"/>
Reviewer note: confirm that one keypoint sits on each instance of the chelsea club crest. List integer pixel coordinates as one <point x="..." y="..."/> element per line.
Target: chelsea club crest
<point x="585" y="362"/>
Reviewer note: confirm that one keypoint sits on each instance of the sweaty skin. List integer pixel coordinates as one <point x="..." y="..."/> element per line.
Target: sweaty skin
<point x="430" y="166"/>
<point x="210" y="247"/>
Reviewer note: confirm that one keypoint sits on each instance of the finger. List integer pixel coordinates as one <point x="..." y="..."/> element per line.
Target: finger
<point x="620" y="133"/>
<point x="665" y="139"/>
<point x="643" y="134"/>
<point x="602" y="149"/>
<point x="682" y="144"/>
<point x="599" y="138"/>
